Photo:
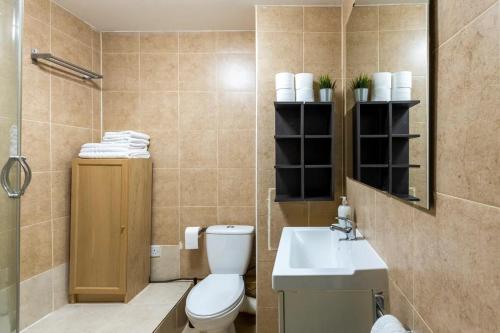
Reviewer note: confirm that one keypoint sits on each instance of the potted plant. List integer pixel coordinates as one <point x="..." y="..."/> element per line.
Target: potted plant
<point x="360" y="87"/>
<point x="326" y="88"/>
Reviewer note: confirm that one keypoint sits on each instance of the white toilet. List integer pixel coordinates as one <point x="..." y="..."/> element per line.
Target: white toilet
<point x="213" y="304"/>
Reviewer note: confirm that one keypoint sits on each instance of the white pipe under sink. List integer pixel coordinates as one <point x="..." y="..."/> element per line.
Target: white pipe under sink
<point x="249" y="305"/>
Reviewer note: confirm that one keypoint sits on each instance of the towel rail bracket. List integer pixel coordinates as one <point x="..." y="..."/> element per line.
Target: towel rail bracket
<point x="84" y="73"/>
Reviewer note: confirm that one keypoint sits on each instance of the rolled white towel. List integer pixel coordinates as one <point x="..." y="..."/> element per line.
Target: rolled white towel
<point x="127" y="134"/>
<point x="126" y="154"/>
<point x="388" y="324"/>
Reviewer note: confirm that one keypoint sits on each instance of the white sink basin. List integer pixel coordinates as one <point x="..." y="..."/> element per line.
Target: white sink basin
<point x="316" y="259"/>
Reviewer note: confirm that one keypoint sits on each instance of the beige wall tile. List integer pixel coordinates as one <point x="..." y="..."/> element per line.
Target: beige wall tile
<point x="322" y="214"/>
<point x="322" y="54"/>
<point x="236" y="72"/>
<point x="322" y="19"/>
<point x="35" y="298"/>
<point x="36" y="249"/>
<point x="71" y="103"/>
<point x="66" y="142"/>
<point x="121" y="71"/>
<point x="198" y="149"/>
<point x="64" y="21"/>
<point x="267" y="320"/>
<point x="159" y="71"/>
<point x="198" y="187"/>
<point x="120" y="42"/>
<point x="400" y="306"/>
<point x="70" y="49"/>
<point x="403" y="17"/>
<point x="197" y="111"/>
<point x="267" y="296"/>
<point x="40" y="9"/>
<point x="264" y="253"/>
<point x="60" y="236"/>
<point x="363" y="18"/>
<point x="286" y="214"/>
<point x="167" y="266"/>
<point x="239" y="215"/>
<point x="159" y="110"/>
<point x="164" y="148"/>
<point x="61" y="191"/>
<point x="419" y="325"/>
<point x="235" y="41"/>
<point x="121" y="110"/>
<point x="467" y="143"/>
<point x="236" y="187"/>
<point x="455" y="14"/>
<point x="96" y="41"/>
<point x="197" y="72"/>
<point x="280" y="18"/>
<point x="36" y="202"/>
<point x="165" y="226"/>
<point x="236" y="148"/>
<point x="196" y="42"/>
<point x="36" y="35"/>
<point x="197" y="216"/>
<point x="362" y="52"/>
<point x="165" y="187"/>
<point x="60" y="285"/>
<point x="195" y="262"/>
<point x="404" y="50"/>
<point x="236" y="110"/>
<point x="159" y="42"/>
<point x="36" y="145"/>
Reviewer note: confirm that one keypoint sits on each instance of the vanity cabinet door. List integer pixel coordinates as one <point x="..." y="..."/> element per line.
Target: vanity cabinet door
<point x="99" y="230"/>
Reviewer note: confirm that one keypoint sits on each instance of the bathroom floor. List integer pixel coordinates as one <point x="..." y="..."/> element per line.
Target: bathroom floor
<point x="158" y="308"/>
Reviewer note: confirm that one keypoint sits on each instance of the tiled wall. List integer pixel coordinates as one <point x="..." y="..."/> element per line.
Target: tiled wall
<point x="392" y="38"/>
<point x="59" y="113"/>
<point x="293" y="39"/>
<point x="443" y="263"/>
<point x="194" y="93"/>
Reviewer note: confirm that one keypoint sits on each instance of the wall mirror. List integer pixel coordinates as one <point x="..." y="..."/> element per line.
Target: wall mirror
<point x="387" y="127"/>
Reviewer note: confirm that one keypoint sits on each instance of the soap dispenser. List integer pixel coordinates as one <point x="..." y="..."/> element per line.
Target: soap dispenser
<point x="344" y="210"/>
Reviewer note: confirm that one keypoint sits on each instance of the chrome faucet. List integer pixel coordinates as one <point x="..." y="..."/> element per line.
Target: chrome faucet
<point x="349" y="229"/>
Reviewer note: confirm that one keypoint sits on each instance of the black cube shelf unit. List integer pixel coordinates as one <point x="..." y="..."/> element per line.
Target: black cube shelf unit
<point x="304" y="151"/>
<point x="381" y="146"/>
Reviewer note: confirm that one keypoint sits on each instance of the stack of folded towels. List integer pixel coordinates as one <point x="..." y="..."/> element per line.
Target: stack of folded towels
<point x="125" y="144"/>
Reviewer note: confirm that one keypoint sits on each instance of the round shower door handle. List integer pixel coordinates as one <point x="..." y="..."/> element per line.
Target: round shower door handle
<point x="4" y="176"/>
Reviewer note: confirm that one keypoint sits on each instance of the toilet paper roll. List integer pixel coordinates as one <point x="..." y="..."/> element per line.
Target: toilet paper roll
<point x="303" y="81"/>
<point x="402" y="79"/>
<point x="285" y="95"/>
<point x="304" y="95"/>
<point x="284" y="80"/>
<point x="381" y="94"/>
<point x="382" y="80"/>
<point x="387" y="324"/>
<point x="191" y="238"/>
<point x="401" y="94"/>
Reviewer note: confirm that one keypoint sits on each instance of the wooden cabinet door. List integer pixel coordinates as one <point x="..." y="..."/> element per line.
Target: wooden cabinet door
<point x="99" y="228"/>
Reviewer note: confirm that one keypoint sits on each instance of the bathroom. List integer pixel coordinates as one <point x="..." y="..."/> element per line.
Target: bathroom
<point x="224" y="219"/>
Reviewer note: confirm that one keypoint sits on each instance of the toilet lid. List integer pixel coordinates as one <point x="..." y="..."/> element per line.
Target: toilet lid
<point x="215" y="294"/>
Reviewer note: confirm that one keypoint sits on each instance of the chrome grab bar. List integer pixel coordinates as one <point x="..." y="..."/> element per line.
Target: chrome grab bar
<point x="4" y="176"/>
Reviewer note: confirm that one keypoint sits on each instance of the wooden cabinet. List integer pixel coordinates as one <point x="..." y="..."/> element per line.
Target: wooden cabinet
<point x="110" y="229"/>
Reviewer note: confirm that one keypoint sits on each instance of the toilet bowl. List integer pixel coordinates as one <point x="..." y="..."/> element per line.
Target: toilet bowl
<point x="213" y="304"/>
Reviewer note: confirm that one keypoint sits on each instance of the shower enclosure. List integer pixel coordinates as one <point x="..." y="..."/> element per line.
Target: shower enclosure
<point x="15" y="173"/>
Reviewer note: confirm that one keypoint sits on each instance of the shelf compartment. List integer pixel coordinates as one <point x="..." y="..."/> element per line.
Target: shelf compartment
<point x="318" y="184"/>
<point x="374" y="118"/>
<point x="288" y="151"/>
<point x="400" y="151"/>
<point x="288" y="119"/>
<point x="317" y="151"/>
<point x="289" y="184"/>
<point x="406" y="197"/>
<point x="400" y="181"/>
<point x="377" y="177"/>
<point x="317" y="119"/>
<point x="374" y="151"/>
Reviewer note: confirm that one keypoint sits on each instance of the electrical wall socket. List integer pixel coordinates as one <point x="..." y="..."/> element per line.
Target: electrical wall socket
<point x="155" y="251"/>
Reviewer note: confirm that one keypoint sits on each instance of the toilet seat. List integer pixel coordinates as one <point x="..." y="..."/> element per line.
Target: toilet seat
<point x="215" y="296"/>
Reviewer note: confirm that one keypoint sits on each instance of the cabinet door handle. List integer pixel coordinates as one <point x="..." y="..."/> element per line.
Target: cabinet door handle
<point x="4" y="176"/>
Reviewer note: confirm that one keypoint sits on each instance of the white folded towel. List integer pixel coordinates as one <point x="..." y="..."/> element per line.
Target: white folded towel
<point x="116" y="154"/>
<point x="388" y="324"/>
<point x="125" y="140"/>
<point x="113" y="146"/>
<point x="127" y="134"/>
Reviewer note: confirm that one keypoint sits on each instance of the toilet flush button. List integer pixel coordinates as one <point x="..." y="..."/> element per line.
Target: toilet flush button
<point x="230" y="226"/>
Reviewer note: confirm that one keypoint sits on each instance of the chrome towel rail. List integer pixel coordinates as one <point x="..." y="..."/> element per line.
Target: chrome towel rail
<point x="84" y="73"/>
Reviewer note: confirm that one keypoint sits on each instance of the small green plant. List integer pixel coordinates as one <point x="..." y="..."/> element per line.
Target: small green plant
<point x="362" y="81"/>
<point x="326" y="83"/>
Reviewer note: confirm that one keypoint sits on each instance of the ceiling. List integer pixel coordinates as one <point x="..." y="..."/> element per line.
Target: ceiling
<point x="174" y="15"/>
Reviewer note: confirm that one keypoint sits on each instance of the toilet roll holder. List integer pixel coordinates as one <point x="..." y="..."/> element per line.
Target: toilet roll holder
<point x="380" y="307"/>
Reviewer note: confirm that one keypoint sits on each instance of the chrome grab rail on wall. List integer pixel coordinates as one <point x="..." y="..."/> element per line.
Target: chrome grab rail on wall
<point x="4" y="176"/>
<point x="85" y="73"/>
